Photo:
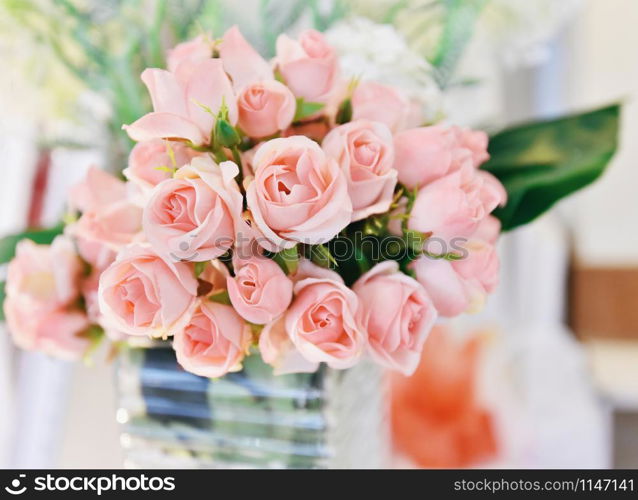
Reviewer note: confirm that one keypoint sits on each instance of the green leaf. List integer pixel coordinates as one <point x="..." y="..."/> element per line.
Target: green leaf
<point x="40" y="236"/>
<point x="3" y="295"/>
<point x="94" y="334"/>
<point x="288" y="260"/>
<point x="543" y="162"/>
<point x="344" y="114"/>
<point x="363" y="263"/>
<point x="199" y="268"/>
<point x="221" y="297"/>
<point x="279" y="77"/>
<point x="320" y="255"/>
<point x="306" y="109"/>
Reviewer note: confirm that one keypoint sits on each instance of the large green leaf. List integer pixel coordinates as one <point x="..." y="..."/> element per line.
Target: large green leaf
<point x="2" y="297"/>
<point x="40" y="236"/>
<point x="543" y="162"/>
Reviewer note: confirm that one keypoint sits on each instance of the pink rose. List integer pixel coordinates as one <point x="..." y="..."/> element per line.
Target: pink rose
<point x="397" y="314"/>
<point x="492" y="188"/>
<point x="90" y="288"/>
<point x="276" y="349"/>
<point x="298" y="194"/>
<point x="308" y="65"/>
<point x="43" y="281"/>
<point x="460" y="286"/>
<point x="141" y="294"/>
<point x="97" y="254"/>
<point x="192" y="217"/>
<point x="260" y="291"/>
<point x="149" y="161"/>
<point x="481" y="266"/>
<point x="476" y="142"/>
<point x="488" y="230"/>
<point x="57" y="333"/>
<point x="380" y="103"/>
<point x="214" y="342"/>
<point x="321" y="322"/>
<point x="184" y="108"/>
<point x="365" y="153"/>
<point x="265" y="108"/>
<point x="109" y="218"/>
<point x="241" y="61"/>
<point x="186" y="57"/>
<point x="454" y="205"/>
<point x="426" y="154"/>
<point x="97" y="190"/>
<point x="45" y="276"/>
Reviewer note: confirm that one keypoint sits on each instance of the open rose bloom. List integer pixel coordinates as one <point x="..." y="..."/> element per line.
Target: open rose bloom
<point x="238" y="228"/>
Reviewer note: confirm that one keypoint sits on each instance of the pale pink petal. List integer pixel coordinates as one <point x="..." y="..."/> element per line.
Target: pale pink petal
<point x="166" y="93"/>
<point x="443" y="284"/>
<point x="207" y="88"/>
<point x="165" y="126"/>
<point x="241" y="61"/>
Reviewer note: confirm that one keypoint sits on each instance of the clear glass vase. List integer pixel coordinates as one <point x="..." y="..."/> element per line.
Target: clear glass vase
<point x="249" y="419"/>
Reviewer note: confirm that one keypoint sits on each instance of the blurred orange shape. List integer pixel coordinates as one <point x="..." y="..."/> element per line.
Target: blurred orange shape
<point x="436" y="419"/>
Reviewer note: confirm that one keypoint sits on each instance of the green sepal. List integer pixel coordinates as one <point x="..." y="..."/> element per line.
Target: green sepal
<point x="306" y="109"/>
<point x="288" y="259"/>
<point x="221" y="297"/>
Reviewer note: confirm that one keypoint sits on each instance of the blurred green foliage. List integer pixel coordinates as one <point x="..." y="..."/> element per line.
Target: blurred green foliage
<point x="106" y="44"/>
<point x="439" y="30"/>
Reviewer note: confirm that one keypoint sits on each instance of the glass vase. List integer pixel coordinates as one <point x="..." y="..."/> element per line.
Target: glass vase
<point x="249" y="419"/>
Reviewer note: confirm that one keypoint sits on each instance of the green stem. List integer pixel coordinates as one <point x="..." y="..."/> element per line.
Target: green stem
<point x="201" y="149"/>
<point x="220" y="156"/>
<point x="411" y="196"/>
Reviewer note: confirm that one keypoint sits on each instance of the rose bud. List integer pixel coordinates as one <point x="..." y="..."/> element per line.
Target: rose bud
<point x="321" y="322"/>
<point x="308" y="65"/>
<point x="365" y="153"/>
<point x="265" y="108"/>
<point x="397" y="314"/>
<point x="214" y="342"/>
<point x="260" y="291"/>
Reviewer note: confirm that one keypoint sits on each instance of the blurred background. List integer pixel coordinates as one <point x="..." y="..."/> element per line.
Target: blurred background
<point x="545" y="376"/>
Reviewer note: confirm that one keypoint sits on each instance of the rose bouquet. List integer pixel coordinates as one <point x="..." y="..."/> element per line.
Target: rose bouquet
<point x="276" y="208"/>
